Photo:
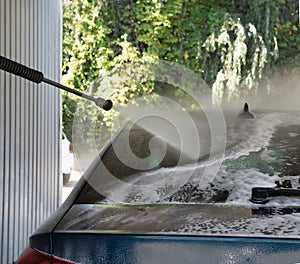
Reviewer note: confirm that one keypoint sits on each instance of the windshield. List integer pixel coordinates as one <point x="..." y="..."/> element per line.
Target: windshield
<point x="157" y="191"/>
<point x="263" y="152"/>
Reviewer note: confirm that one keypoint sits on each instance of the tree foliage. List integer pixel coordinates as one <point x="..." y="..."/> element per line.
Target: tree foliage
<point x="233" y="45"/>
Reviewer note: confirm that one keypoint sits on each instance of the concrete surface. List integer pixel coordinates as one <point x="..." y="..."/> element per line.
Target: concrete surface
<point x="68" y="187"/>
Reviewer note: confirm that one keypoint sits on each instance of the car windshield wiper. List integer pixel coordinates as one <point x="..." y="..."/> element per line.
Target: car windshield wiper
<point x="262" y="195"/>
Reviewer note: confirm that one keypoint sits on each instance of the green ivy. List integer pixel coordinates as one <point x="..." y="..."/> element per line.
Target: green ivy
<point x="233" y="45"/>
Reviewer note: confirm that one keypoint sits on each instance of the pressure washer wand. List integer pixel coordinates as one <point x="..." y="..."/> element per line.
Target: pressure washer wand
<point x="38" y="77"/>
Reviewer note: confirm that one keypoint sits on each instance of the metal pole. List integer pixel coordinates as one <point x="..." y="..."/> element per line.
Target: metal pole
<point x="38" y="77"/>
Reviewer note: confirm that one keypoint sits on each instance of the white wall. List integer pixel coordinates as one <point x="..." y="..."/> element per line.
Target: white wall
<point x="30" y="121"/>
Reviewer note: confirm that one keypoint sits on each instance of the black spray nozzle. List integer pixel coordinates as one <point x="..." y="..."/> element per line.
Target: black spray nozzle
<point x="105" y="104"/>
<point x="38" y="77"/>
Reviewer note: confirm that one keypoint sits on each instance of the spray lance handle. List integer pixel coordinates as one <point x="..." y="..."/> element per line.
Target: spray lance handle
<point x="38" y="77"/>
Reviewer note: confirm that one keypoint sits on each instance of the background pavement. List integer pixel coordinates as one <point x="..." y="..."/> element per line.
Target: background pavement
<point x="68" y="187"/>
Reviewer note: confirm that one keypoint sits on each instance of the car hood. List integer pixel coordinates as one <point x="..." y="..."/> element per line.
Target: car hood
<point x="183" y="219"/>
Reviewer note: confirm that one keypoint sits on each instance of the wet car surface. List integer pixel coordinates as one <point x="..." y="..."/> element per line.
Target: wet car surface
<point x="136" y="217"/>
